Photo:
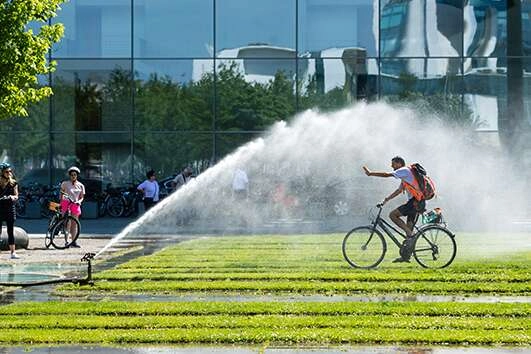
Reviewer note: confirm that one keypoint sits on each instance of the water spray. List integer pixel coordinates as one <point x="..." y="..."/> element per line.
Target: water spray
<point x="88" y="257"/>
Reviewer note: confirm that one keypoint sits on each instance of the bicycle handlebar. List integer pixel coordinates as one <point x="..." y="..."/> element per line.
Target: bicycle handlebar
<point x="68" y="197"/>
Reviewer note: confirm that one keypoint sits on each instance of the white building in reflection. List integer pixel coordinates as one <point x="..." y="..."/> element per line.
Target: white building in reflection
<point x="332" y="68"/>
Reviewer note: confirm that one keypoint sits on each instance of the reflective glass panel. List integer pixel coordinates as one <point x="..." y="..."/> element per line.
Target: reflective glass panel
<point x="169" y="28"/>
<point x="328" y="26"/>
<point x="168" y="153"/>
<point x="255" y="28"/>
<point x="526" y="28"/>
<point x="432" y="85"/>
<point x="37" y="120"/>
<point x="92" y="95"/>
<point x="526" y="76"/>
<point x="253" y="94"/>
<point x="486" y="23"/>
<point x="485" y="92"/>
<point x="331" y="84"/>
<point x="174" y="94"/>
<point x="94" y="29"/>
<point x="421" y="28"/>
<point x="28" y="155"/>
<point x="514" y="117"/>
<point x="102" y="158"/>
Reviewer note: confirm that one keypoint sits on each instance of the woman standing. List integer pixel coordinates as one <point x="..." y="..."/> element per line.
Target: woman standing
<point x="8" y="197"/>
<point x="76" y="191"/>
<point x="150" y="190"/>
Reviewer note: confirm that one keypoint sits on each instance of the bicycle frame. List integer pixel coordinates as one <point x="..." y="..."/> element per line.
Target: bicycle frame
<point x="385" y="226"/>
<point x="59" y="215"/>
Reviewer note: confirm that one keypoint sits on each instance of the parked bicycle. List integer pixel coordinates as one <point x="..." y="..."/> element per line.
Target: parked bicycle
<point x="63" y="228"/>
<point x="123" y="202"/>
<point x="365" y="246"/>
<point x="35" y="192"/>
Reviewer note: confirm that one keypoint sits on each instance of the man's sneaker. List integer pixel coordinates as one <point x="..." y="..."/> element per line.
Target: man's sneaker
<point x="401" y="260"/>
<point x="14" y="256"/>
<point x="75" y="245"/>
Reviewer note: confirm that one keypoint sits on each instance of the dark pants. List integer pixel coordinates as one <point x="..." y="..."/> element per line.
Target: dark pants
<point x="10" y="223"/>
<point x="148" y="203"/>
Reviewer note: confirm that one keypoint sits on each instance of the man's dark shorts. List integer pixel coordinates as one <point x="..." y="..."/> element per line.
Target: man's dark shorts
<point x="411" y="209"/>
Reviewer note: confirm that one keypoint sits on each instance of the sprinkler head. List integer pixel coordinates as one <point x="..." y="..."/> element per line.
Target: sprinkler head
<point x="88" y="256"/>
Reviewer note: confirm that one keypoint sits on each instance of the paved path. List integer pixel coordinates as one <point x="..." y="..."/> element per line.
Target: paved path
<point x="101" y="226"/>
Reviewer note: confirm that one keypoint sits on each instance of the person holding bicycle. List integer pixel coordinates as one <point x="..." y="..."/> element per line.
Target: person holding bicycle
<point x="415" y="204"/>
<point x="76" y="191"/>
<point x="8" y="197"/>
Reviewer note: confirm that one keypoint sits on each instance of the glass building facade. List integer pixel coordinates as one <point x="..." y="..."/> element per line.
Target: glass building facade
<point x="164" y="83"/>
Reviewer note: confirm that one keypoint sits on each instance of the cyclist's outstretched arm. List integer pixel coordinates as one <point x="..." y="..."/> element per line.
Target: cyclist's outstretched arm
<point x="376" y="174"/>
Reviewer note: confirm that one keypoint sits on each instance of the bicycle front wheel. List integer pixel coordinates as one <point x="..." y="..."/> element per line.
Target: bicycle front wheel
<point x="65" y="232"/>
<point x="364" y="247"/>
<point x="435" y="247"/>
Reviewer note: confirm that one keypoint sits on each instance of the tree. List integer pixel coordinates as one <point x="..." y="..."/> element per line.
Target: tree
<point x="23" y="53"/>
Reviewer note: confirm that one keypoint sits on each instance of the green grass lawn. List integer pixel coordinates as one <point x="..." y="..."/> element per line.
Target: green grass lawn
<point x="283" y="266"/>
<point x="312" y="264"/>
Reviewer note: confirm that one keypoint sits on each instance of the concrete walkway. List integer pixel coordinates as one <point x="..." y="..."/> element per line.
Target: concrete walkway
<point x="106" y="226"/>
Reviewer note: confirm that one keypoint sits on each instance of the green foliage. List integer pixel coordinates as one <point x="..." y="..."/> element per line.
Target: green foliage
<point x="434" y="98"/>
<point x="23" y="53"/>
<point x="313" y="96"/>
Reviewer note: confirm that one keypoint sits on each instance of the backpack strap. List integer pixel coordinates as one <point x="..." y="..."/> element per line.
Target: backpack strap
<point x="414" y="189"/>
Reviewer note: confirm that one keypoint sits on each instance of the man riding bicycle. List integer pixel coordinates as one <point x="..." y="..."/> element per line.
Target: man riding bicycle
<point x="415" y="204"/>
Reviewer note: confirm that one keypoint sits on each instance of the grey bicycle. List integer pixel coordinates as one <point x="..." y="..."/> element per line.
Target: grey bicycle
<point x="365" y="246"/>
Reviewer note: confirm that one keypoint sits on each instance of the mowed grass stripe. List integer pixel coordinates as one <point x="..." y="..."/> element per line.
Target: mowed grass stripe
<point x="259" y="335"/>
<point x="121" y="308"/>
<point x="149" y="274"/>
<point x="263" y="321"/>
<point x="307" y="287"/>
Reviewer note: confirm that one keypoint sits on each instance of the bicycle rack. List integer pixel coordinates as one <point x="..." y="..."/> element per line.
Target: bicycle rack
<point x="88" y="257"/>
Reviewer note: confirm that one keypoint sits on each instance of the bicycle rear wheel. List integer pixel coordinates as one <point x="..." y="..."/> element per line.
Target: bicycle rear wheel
<point x="435" y="247"/>
<point x="364" y="247"/>
<point x="65" y="232"/>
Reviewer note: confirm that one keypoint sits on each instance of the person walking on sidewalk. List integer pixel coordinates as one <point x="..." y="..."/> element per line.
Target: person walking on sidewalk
<point x="8" y="197"/>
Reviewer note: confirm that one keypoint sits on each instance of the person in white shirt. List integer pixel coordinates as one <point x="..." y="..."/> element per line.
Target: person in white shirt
<point x="240" y="193"/>
<point x="240" y="184"/>
<point x="76" y="192"/>
<point x="182" y="178"/>
<point x="410" y="209"/>
<point x="150" y="190"/>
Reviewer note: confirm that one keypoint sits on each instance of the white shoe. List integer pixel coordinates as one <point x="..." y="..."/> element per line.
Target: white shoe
<point x="14" y="256"/>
